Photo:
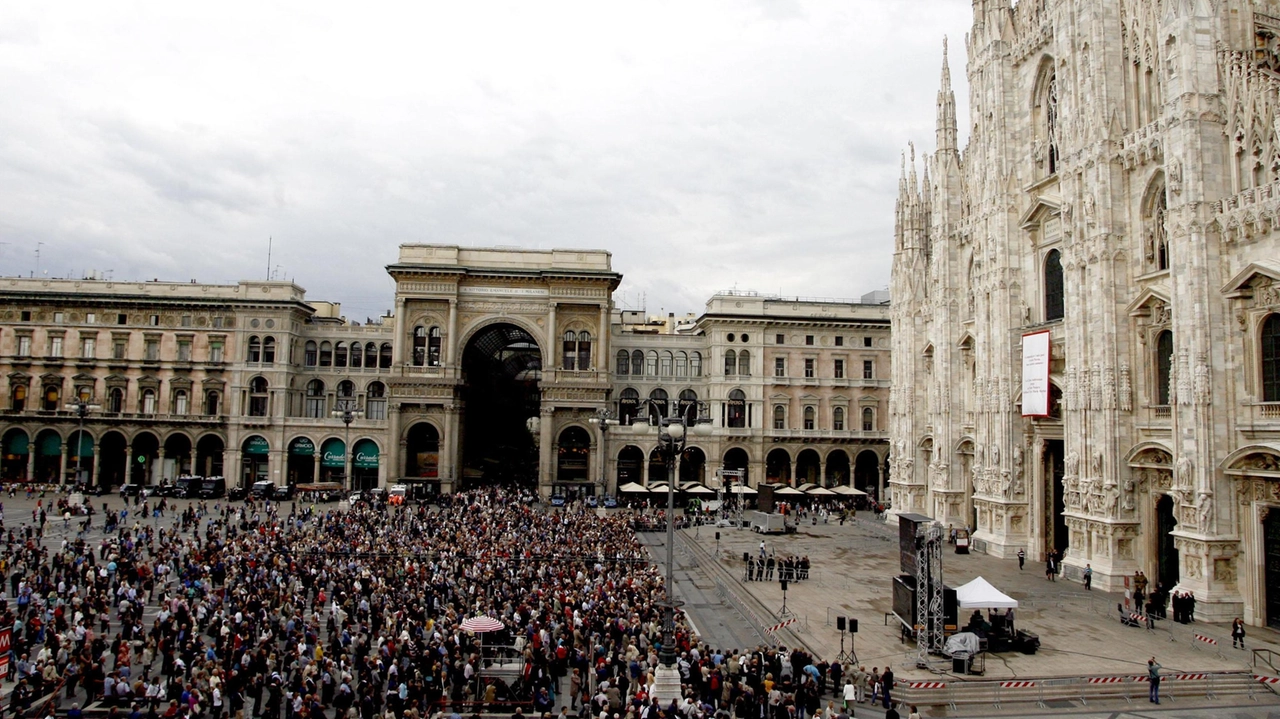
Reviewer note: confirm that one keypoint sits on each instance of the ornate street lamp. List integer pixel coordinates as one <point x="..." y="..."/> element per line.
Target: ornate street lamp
<point x="347" y="411"/>
<point x="81" y="408"/>
<point x="673" y="435"/>
<point x="604" y="419"/>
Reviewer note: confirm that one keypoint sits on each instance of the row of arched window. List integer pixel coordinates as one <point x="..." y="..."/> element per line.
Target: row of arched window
<point x="810" y="418"/>
<point x="316" y="400"/>
<point x="734" y="413"/>
<point x="340" y="354"/>
<point x="658" y="364"/>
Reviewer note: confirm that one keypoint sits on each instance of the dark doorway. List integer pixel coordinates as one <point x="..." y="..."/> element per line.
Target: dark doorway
<point x="422" y="452"/>
<point x="209" y="456"/>
<point x="693" y="465"/>
<point x="112" y="468"/>
<point x="1271" y="536"/>
<point x="1166" y="553"/>
<point x="777" y="466"/>
<point x="501" y="369"/>
<point x="808" y="467"/>
<point x="630" y="465"/>
<point x="837" y="468"/>
<point x="573" y="455"/>
<point x="1054" y="469"/>
<point x="146" y="450"/>
<point x="866" y="475"/>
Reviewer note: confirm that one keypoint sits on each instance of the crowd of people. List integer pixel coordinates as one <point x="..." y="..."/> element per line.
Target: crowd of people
<point x="262" y="609"/>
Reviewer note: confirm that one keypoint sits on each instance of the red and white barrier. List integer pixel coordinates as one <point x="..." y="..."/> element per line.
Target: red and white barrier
<point x="928" y="685"/>
<point x="1105" y="680"/>
<point x="1206" y="640"/>
<point x="780" y="625"/>
<point x="1017" y="685"/>
<point x="1190" y="677"/>
<point x="1266" y="679"/>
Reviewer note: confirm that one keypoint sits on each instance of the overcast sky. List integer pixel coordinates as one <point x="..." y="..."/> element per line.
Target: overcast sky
<point x="707" y="144"/>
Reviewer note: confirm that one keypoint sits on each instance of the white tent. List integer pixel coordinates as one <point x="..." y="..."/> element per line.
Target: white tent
<point x="633" y="487"/>
<point x="739" y="489"/>
<point x="846" y="489"/>
<point x="979" y="594"/>
<point x="819" y="491"/>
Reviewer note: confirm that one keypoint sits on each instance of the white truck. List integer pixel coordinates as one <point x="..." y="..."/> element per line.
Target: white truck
<point x="770" y="523"/>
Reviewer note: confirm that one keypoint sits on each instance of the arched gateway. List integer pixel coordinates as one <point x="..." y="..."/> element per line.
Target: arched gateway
<point x="499" y="352"/>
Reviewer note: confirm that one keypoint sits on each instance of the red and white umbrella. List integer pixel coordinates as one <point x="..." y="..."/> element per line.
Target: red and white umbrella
<point x="480" y="625"/>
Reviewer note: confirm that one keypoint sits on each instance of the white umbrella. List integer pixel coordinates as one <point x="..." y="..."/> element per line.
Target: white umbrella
<point x="819" y="490"/>
<point x="482" y="624"/>
<point x="633" y="487"/>
<point x="695" y="488"/>
<point x="658" y="488"/>
<point x="741" y="489"/>
<point x="787" y="491"/>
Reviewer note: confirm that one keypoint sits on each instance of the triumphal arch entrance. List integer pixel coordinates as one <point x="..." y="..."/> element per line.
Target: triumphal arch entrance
<point x="500" y="360"/>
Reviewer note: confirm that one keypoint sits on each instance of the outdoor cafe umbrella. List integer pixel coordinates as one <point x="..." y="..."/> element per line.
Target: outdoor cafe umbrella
<point x="480" y="626"/>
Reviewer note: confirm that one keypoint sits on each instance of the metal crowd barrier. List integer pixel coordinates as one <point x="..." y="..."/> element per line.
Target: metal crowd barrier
<point x="952" y="693"/>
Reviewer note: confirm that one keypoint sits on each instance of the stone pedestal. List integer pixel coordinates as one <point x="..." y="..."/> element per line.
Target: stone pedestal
<point x="666" y="685"/>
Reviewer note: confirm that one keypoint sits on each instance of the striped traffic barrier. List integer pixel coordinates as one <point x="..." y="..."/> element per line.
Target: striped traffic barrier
<point x="780" y="625"/>
<point x="928" y="685"/>
<point x="1266" y="679"/>
<point x="1207" y="640"/>
<point x="1105" y="680"/>
<point x="1017" y="685"/>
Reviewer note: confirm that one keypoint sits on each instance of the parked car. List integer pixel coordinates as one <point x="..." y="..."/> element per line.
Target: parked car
<point x="282" y="493"/>
<point x="186" y="487"/>
<point x="262" y="489"/>
<point x="131" y="490"/>
<point x="235" y="494"/>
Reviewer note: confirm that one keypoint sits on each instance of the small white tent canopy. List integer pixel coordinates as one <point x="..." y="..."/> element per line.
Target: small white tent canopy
<point x="979" y="594"/>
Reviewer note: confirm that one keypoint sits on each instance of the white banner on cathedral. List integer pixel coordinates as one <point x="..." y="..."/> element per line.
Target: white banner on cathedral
<point x="1035" y="374"/>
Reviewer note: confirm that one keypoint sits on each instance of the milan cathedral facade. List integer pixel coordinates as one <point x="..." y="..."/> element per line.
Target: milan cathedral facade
<point x="1120" y="189"/>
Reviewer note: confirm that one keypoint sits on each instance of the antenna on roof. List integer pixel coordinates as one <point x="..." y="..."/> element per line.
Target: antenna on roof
<point x="268" y="257"/>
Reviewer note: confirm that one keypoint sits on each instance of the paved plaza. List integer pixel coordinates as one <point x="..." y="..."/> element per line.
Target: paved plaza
<point x="1080" y="633"/>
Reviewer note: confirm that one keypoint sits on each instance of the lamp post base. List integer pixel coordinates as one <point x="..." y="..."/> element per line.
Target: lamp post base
<point x="666" y="685"/>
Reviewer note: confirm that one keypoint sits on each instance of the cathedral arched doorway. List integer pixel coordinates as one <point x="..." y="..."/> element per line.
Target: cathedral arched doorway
<point x="501" y="369"/>
<point x="1167" y="571"/>
<point x="111" y="448"/>
<point x="777" y="466"/>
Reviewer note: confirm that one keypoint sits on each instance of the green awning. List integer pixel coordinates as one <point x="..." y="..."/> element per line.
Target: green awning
<point x="303" y="447"/>
<point x="17" y="442"/>
<point x="334" y="454"/>
<point x="50" y="445"/>
<point x="86" y="446"/>
<point x="256" y="445"/>
<point x="366" y="455"/>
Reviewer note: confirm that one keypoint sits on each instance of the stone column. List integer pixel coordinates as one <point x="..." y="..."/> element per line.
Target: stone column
<point x="644" y="471"/>
<point x="454" y="445"/>
<point x="93" y="469"/>
<point x="157" y="467"/>
<point x="880" y="470"/>
<point x="546" y="450"/>
<point x="128" y="465"/>
<point x="315" y="458"/>
<point x="451" y="341"/>
<point x="31" y="461"/>
<point x="602" y="346"/>
<point x="62" y="467"/>
<point x="549" y="352"/>
<point x="398" y="342"/>
<point x="393" y="461"/>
